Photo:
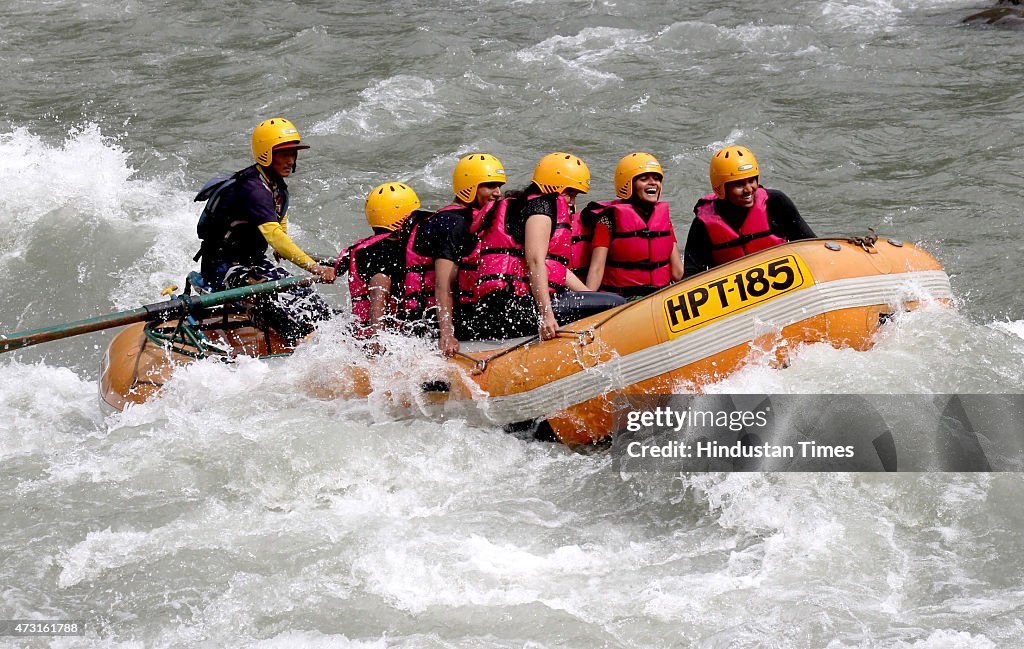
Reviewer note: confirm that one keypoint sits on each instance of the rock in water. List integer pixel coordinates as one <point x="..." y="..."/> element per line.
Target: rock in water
<point x="1009" y="17"/>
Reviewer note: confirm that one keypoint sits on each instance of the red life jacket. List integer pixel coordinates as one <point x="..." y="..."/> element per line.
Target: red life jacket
<point x="420" y="278"/>
<point x="728" y="244"/>
<point x="359" y="288"/>
<point x="501" y="256"/>
<point x="583" y="237"/>
<point x="640" y="253"/>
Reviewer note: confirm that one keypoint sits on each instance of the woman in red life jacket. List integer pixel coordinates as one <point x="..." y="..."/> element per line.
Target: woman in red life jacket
<point x="633" y="250"/>
<point x="376" y="264"/>
<point x="523" y="282"/>
<point x="740" y="217"/>
<point x="440" y="255"/>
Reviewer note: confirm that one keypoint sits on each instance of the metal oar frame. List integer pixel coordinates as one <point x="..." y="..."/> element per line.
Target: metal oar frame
<point x="187" y="336"/>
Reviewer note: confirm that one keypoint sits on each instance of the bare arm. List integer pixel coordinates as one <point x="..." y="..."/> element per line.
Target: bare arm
<point x="676" y="263"/>
<point x="538" y="235"/>
<point x="379" y="288"/>
<point x="598" y="259"/>
<point x="445" y="272"/>
<point x="573" y="283"/>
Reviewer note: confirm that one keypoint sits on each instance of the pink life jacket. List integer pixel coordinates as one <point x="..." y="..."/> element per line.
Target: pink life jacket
<point x="469" y="266"/>
<point x="501" y="257"/>
<point x="420" y="278"/>
<point x="358" y="287"/>
<point x="728" y="244"/>
<point x="640" y="253"/>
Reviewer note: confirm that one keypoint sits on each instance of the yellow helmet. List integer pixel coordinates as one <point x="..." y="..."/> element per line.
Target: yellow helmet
<point x="387" y="205"/>
<point x="633" y="165"/>
<point x="474" y="169"/>
<point x="274" y="133"/>
<point x="557" y="172"/>
<point x="729" y="164"/>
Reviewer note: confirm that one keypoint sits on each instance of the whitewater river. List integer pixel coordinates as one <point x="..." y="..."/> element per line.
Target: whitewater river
<point x="237" y="510"/>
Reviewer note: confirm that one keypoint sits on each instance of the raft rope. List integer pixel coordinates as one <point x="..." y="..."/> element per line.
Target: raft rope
<point x="585" y="337"/>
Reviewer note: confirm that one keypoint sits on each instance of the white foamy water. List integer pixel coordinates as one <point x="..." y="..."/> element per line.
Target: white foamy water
<point x="229" y="518"/>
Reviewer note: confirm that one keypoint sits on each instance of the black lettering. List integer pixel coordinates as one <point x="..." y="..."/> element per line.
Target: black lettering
<point x="757" y="285"/>
<point x="720" y="285"/>
<point x="675" y="307"/>
<point x="697" y="298"/>
<point x="781" y="266"/>
<point x="738" y="279"/>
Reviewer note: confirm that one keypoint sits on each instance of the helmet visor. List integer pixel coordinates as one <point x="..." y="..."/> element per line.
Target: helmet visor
<point x="284" y="146"/>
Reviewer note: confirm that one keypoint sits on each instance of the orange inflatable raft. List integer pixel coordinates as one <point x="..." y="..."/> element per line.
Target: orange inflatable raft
<point x="687" y="335"/>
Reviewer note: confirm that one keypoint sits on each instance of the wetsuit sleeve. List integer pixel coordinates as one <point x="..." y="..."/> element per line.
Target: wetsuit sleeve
<point x="591" y="213"/>
<point x="284" y="246"/>
<point x="784" y="219"/>
<point x="454" y="244"/>
<point x="367" y="263"/>
<point x="697" y="253"/>
<point x="382" y="258"/>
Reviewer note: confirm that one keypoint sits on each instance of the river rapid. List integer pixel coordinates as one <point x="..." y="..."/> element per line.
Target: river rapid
<point x="237" y="510"/>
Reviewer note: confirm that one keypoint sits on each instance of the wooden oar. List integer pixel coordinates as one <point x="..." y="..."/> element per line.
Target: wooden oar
<point x="177" y="307"/>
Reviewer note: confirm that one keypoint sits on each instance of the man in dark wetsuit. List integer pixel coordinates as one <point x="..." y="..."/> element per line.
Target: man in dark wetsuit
<point x="740" y="217"/>
<point x="445" y="237"/>
<point x="251" y="216"/>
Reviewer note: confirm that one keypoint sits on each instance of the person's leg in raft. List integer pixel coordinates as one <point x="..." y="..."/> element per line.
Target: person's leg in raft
<point x="292" y="313"/>
<point x="570" y="306"/>
<point x="500" y="316"/>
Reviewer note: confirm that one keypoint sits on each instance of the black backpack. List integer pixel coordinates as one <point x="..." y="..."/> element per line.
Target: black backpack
<point x="212" y="226"/>
<point x="213" y="192"/>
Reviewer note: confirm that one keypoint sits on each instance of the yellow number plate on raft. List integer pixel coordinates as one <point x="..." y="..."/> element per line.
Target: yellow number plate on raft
<point x="729" y="294"/>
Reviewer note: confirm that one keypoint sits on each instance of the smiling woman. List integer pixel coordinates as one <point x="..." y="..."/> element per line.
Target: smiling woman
<point x="633" y="250"/>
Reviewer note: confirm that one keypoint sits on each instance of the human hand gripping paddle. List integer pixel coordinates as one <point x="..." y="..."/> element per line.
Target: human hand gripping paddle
<point x="177" y="307"/>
